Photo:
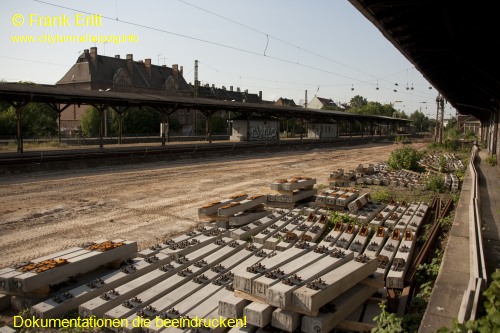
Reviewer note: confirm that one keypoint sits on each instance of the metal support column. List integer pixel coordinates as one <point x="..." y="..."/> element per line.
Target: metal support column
<point x="19" y="106"/>
<point x="441" y="104"/>
<point x="101" y="108"/>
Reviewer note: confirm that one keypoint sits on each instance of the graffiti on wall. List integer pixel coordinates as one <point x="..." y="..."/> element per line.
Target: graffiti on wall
<point x="263" y="132"/>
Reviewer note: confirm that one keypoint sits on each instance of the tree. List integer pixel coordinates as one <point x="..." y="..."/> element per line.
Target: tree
<point x="358" y="101"/>
<point x="8" y="121"/>
<point x="90" y="122"/>
<point x="420" y="121"/>
<point x="218" y="125"/>
<point x="405" y="158"/>
<point x="399" y="114"/>
<point x="360" y="105"/>
<point x="38" y="120"/>
<point x="139" y="121"/>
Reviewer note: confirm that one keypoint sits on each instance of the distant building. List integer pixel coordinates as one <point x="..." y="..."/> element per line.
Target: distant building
<point x="211" y="92"/>
<point x="285" y="102"/>
<point x="467" y="123"/>
<point x="319" y="103"/>
<point x="93" y="71"/>
<point x="322" y="130"/>
<point x="255" y="129"/>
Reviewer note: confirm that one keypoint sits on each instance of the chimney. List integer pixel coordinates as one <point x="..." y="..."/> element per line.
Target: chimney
<point x="93" y="55"/>
<point x="175" y="71"/>
<point x="163" y="65"/>
<point x="238" y="89"/>
<point x="182" y="71"/>
<point x="230" y="88"/>
<point x="260" y="95"/>
<point x="147" y="64"/>
<point x="130" y="59"/>
<point x="117" y="56"/>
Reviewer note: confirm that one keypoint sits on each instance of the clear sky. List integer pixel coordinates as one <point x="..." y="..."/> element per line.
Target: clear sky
<point x="279" y="47"/>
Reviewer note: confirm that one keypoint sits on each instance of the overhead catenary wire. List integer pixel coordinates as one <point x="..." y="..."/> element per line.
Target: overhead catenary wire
<point x="248" y="51"/>
<point x="277" y="38"/>
<point x="206" y="41"/>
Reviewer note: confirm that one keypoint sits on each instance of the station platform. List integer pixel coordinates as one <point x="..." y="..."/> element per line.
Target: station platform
<point x="452" y="281"/>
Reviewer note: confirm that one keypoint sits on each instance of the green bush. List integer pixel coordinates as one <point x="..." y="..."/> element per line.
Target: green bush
<point x="405" y="158"/>
<point x="442" y="164"/>
<point x="491" y="160"/>
<point x="383" y="195"/>
<point x="436" y="184"/>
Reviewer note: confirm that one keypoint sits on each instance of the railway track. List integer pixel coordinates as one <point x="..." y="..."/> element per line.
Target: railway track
<point x="114" y="152"/>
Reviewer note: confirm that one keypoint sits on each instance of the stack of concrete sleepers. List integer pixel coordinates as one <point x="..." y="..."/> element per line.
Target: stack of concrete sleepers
<point x="244" y="277"/>
<point x="252" y="229"/>
<point x="337" y="310"/>
<point x="396" y="275"/>
<point x="316" y="230"/>
<point x="307" y="291"/>
<point x="334" y="234"/>
<point x="180" y="241"/>
<point x="43" y="274"/>
<point x="343" y="178"/>
<point x="67" y="301"/>
<point x="382" y="216"/>
<point x="360" y="241"/>
<point x="273" y="228"/>
<point x="407" y="216"/>
<point x="347" y="197"/>
<point x="359" y="203"/>
<point x="418" y="217"/>
<point x="455" y="183"/>
<point x="7" y="274"/>
<point x="368" y="213"/>
<point x="394" y="217"/>
<point x="209" y="211"/>
<point x="180" y="249"/>
<point x="165" y="274"/>
<point x="197" y="296"/>
<point x="284" y="231"/>
<point x="301" y="232"/>
<point x="289" y="192"/>
<point x="336" y="179"/>
<point x="347" y="236"/>
<point x="376" y="242"/>
<point x="327" y="198"/>
<point x="337" y="198"/>
<point x="242" y="212"/>
<point x="386" y="255"/>
<point x="314" y="295"/>
<point x="279" y="293"/>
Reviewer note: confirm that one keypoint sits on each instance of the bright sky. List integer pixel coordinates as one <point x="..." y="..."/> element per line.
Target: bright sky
<point x="279" y="47"/>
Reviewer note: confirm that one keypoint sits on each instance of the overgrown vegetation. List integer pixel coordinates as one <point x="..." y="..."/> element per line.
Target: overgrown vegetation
<point x="387" y="322"/>
<point x="383" y="195"/>
<point x="436" y="183"/>
<point x="491" y="160"/>
<point x="405" y="158"/>
<point x="428" y="271"/>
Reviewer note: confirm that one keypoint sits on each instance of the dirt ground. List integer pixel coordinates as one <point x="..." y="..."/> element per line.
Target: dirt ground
<point x="48" y="212"/>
